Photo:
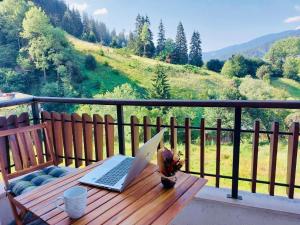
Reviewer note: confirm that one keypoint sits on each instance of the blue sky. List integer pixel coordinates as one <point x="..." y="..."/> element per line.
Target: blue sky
<point x="220" y="22"/>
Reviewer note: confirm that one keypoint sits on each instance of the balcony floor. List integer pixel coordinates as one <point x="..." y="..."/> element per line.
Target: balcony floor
<point x="212" y="207"/>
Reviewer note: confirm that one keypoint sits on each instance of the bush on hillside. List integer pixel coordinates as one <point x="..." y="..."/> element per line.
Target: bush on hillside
<point x="291" y="68"/>
<point x="236" y="66"/>
<point x="264" y="72"/>
<point x="215" y="65"/>
<point x="90" y="62"/>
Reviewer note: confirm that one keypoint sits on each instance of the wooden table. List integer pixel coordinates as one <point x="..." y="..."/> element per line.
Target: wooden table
<point x="143" y="202"/>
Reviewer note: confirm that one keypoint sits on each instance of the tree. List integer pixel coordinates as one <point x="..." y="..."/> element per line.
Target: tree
<point x="161" y="40"/>
<point x="180" y="54"/>
<point x="90" y="62"/>
<point x="160" y="86"/>
<point x="215" y="65"/>
<point x="236" y="66"/>
<point x="145" y="37"/>
<point x="291" y="68"/>
<point x="195" y="57"/>
<point x="282" y="49"/>
<point x="264" y="72"/>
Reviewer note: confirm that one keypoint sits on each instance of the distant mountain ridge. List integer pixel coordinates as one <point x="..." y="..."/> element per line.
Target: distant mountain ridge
<point x="253" y="48"/>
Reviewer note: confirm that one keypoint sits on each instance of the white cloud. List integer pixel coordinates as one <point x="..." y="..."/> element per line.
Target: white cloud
<point x="100" y="12"/>
<point x="297" y="28"/>
<point x="292" y="19"/>
<point x="81" y="7"/>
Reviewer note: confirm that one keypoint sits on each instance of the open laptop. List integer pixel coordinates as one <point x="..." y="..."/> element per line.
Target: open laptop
<point x="117" y="172"/>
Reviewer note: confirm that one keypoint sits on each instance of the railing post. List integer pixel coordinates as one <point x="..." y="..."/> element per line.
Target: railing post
<point x="236" y="154"/>
<point x="35" y="108"/>
<point x="120" y="119"/>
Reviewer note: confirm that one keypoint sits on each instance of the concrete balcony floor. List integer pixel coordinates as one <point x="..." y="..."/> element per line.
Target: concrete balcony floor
<point x="212" y="207"/>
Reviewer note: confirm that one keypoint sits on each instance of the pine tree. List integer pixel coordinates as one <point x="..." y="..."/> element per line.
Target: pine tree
<point x="161" y="40"/>
<point x="180" y="54"/>
<point x="195" y="57"/>
<point x="160" y="86"/>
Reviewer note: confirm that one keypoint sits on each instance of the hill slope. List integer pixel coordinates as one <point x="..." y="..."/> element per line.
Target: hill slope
<point x="253" y="48"/>
<point x="116" y="67"/>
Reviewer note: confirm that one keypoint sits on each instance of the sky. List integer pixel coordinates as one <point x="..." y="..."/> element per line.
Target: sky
<point x="221" y="23"/>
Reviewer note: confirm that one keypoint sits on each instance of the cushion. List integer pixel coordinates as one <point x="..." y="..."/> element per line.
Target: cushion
<point x="36" y="179"/>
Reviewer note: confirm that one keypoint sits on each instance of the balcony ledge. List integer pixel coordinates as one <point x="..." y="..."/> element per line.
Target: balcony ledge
<point x="212" y="207"/>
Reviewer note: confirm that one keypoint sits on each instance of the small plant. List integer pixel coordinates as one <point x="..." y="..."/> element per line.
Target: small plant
<point x="90" y="62"/>
<point x="105" y="63"/>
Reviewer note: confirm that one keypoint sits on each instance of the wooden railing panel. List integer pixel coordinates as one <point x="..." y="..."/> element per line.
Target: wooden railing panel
<point x="57" y="136"/>
<point x="273" y="157"/>
<point x="202" y="147"/>
<point x="255" y="144"/>
<point x="147" y="128"/>
<point x="187" y="143"/>
<point x="77" y="138"/>
<point x="87" y="123"/>
<point x="134" y="134"/>
<point x="98" y="136"/>
<point x="218" y="152"/>
<point x="292" y="159"/>
<point x="67" y="133"/>
<point x="109" y="135"/>
<point x="173" y="137"/>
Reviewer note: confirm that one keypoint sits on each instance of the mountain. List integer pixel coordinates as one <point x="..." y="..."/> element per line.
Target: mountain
<point x="253" y="48"/>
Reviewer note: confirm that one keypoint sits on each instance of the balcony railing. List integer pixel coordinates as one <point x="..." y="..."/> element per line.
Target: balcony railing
<point x="81" y="139"/>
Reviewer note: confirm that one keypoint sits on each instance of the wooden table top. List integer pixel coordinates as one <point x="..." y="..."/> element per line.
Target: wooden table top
<point x="143" y="202"/>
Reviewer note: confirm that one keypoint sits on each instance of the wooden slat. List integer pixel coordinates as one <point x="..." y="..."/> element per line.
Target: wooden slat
<point x="134" y="134"/>
<point x="98" y="136"/>
<point x="187" y="143"/>
<point x="255" y="144"/>
<point x="172" y="212"/>
<point x="12" y="122"/>
<point x="23" y="151"/>
<point x="147" y="128"/>
<point x="292" y="159"/>
<point x="23" y="120"/>
<point x="158" y="129"/>
<point x="173" y="137"/>
<point x="273" y="157"/>
<point x="29" y="148"/>
<point x="87" y="124"/>
<point x="77" y="138"/>
<point x="67" y="138"/>
<point x="4" y="148"/>
<point x="218" y="152"/>
<point x="46" y="117"/>
<point x="160" y="204"/>
<point x="38" y="146"/>
<point x="57" y="136"/>
<point x="202" y="146"/>
<point x="109" y="135"/>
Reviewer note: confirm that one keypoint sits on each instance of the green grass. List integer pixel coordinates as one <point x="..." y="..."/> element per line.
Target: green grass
<point x="116" y="67"/>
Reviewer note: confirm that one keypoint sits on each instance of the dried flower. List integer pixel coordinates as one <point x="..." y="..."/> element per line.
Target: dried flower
<point x="168" y="162"/>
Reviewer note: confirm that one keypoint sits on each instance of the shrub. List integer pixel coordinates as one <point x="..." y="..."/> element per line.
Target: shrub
<point x="291" y="68"/>
<point x="90" y="62"/>
<point x="191" y="68"/>
<point x="264" y="72"/>
<point x="215" y="65"/>
<point x="236" y="66"/>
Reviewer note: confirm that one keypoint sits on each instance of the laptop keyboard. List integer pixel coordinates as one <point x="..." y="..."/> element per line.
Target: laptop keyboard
<point x="114" y="175"/>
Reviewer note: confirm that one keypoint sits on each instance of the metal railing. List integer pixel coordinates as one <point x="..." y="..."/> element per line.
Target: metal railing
<point x="237" y="105"/>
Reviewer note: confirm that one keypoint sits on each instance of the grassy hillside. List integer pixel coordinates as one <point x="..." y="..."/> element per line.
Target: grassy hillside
<point x="116" y="67"/>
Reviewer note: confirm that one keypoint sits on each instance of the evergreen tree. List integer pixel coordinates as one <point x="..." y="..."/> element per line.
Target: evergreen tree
<point x="161" y="40"/>
<point x="180" y="54"/>
<point x="160" y="86"/>
<point x="195" y="57"/>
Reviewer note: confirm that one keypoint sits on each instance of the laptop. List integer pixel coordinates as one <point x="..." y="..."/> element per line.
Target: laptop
<point x="117" y="172"/>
